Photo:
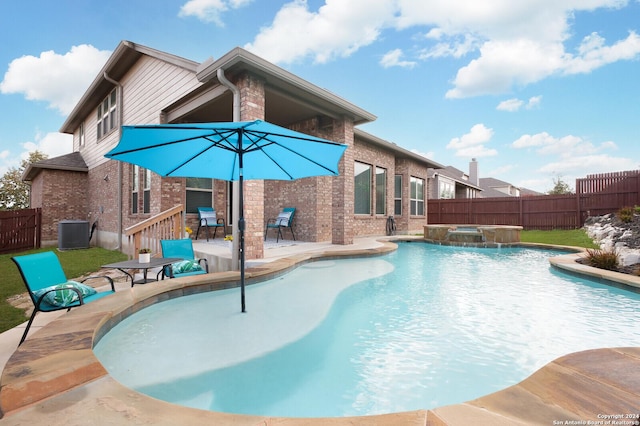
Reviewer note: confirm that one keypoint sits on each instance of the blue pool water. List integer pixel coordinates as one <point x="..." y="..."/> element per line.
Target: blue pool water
<point x="422" y="327"/>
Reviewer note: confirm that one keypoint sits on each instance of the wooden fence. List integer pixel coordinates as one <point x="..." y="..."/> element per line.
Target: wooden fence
<point x="20" y="230"/>
<point x="595" y="195"/>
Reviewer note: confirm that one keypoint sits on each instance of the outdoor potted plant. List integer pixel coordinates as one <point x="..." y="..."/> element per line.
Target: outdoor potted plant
<point x="144" y="255"/>
<point x="187" y="232"/>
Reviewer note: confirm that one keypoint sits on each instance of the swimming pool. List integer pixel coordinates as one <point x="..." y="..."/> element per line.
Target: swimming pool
<point x="423" y="327"/>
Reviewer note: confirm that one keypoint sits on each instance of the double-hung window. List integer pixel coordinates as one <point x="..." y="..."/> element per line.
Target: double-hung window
<point x="199" y="194"/>
<point x="146" y="192"/>
<point x="381" y="190"/>
<point x="107" y="115"/>
<point x="362" y="188"/>
<point x="135" y="190"/>
<point x="397" y="195"/>
<point x="417" y="196"/>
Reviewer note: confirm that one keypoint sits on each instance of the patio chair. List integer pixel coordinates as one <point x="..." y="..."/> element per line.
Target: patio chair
<point x="183" y="249"/>
<point x="49" y="288"/>
<point x="207" y="218"/>
<point x="283" y="221"/>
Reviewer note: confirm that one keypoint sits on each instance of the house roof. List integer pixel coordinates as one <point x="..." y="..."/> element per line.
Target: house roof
<point x="397" y="150"/>
<point x="69" y="162"/>
<point x="458" y="176"/>
<point x="282" y="81"/>
<point x="489" y="186"/>
<point x="284" y="84"/>
<point x="121" y="60"/>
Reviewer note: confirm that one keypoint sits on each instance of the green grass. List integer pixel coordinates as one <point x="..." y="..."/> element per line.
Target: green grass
<point x="564" y="237"/>
<point x="74" y="262"/>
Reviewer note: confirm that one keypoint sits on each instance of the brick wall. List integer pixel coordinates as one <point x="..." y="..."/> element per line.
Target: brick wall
<point x="62" y="195"/>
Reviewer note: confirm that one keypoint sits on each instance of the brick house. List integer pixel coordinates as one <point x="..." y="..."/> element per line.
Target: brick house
<point x="141" y="85"/>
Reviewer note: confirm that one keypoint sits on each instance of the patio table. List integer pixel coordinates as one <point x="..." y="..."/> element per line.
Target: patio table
<point x="134" y="264"/>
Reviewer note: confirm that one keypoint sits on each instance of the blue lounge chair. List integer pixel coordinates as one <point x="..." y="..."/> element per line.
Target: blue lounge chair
<point x="183" y="249"/>
<point x="208" y="218"/>
<point x="283" y="221"/>
<point x="49" y="288"/>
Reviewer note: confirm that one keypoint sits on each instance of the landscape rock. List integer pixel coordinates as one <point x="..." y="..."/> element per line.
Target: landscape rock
<point x="609" y="232"/>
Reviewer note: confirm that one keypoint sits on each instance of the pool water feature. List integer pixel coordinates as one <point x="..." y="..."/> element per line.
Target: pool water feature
<point x="422" y="327"/>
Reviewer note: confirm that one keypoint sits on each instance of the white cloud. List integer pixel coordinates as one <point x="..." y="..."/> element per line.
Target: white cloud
<point x="510" y="105"/>
<point x="593" y="53"/>
<point x="337" y="29"/>
<point x="455" y="48"/>
<point x="59" y="80"/>
<point x="534" y="102"/>
<point x="392" y="59"/>
<point x="565" y="147"/>
<point x="472" y="144"/>
<point x="516" y="43"/>
<point x="54" y="144"/>
<point x="210" y="10"/>
<point x="580" y="166"/>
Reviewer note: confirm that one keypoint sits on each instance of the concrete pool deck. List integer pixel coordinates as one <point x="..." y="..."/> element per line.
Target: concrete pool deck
<point x="54" y="378"/>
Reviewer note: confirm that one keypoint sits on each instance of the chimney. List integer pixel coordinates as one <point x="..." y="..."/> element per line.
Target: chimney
<point x="474" y="178"/>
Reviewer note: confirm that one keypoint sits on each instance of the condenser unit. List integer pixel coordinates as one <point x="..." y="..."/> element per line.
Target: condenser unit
<point x="73" y="234"/>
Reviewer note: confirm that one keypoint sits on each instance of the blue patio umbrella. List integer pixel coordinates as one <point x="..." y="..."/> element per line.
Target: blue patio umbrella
<point x="232" y="151"/>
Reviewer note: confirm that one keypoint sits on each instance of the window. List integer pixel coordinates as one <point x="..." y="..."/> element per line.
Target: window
<point x="362" y="188"/>
<point x="199" y="193"/>
<point x="81" y="135"/>
<point x="381" y="190"/>
<point x="446" y="190"/>
<point x="106" y="118"/>
<point x="135" y="181"/>
<point x="397" y="195"/>
<point x="146" y="193"/>
<point x="417" y="196"/>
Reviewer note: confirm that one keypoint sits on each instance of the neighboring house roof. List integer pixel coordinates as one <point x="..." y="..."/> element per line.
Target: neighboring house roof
<point x="398" y="151"/>
<point x="489" y="188"/>
<point x="69" y="162"/>
<point x="525" y="192"/>
<point x="458" y="176"/>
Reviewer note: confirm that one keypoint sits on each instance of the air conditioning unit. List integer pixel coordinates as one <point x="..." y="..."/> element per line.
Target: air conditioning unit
<point x="73" y="234"/>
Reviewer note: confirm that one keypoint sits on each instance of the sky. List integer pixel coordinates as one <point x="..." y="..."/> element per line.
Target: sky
<point x="536" y="90"/>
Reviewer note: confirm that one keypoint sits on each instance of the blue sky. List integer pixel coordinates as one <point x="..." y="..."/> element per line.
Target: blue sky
<point x="534" y="89"/>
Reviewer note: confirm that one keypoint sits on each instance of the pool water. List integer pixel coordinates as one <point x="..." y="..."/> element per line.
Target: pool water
<point x="422" y="327"/>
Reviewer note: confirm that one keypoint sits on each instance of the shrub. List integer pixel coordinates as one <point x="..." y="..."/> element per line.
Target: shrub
<point x="625" y="214"/>
<point x="637" y="209"/>
<point x="603" y="259"/>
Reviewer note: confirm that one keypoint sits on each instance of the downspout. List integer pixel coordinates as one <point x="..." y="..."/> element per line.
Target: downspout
<point x="235" y="252"/>
<point x="120" y="118"/>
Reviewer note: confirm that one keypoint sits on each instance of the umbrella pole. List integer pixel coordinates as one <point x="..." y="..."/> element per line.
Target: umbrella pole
<point x="241" y="223"/>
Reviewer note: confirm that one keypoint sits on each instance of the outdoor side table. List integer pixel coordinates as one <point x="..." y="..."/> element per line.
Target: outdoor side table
<point x="134" y="264"/>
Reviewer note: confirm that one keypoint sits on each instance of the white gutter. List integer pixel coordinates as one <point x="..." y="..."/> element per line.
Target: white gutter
<point x="120" y="120"/>
<point x="235" y="217"/>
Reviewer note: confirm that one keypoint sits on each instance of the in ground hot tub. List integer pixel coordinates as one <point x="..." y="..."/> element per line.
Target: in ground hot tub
<point x="472" y="235"/>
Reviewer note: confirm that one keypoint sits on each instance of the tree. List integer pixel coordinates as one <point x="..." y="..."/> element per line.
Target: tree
<point x="14" y="193"/>
<point x="560" y="187"/>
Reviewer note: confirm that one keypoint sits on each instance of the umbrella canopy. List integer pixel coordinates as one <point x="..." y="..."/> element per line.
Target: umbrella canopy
<point x="214" y="150"/>
<point x="229" y="151"/>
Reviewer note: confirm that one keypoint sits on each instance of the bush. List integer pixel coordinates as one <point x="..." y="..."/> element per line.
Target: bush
<point x="603" y="259"/>
<point x="625" y="214"/>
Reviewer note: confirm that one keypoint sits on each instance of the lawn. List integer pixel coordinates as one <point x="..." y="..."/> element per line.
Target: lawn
<point x="564" y="237"/>
<point x="74" y="262"/>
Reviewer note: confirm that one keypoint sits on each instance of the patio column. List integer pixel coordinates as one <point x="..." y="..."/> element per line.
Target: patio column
<point x="342" y="201"/>
<point x="252" y="107"/>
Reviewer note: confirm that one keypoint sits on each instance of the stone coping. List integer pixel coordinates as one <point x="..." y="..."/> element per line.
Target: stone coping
<point x="55" y="378"/>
